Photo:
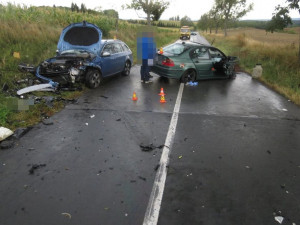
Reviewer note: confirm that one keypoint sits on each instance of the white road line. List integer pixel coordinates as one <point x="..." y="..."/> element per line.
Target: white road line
<point x="154" y="204"/>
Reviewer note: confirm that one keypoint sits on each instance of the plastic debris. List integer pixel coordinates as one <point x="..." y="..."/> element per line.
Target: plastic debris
<point x="92" y="116"/>
<point x="68" y="215"/>
<point x="285" y="110"/>
<point x="87" y="124"/>
<point x="279" y="219"/>
<point x="35" y="167"/>
<point x="180" y="157"/>
<point x="192" y="83"/>
<point x="5" y="133"/>
<point x="126" y="214"/>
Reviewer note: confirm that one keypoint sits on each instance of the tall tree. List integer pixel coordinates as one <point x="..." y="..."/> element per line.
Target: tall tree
<point x="281" y="18"/>
<point x="186" y="21"/>
<point x="232" y="10"/>
<point x="152" y="8"/>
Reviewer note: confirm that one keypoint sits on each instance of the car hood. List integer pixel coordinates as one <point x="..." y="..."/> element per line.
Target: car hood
<point x="84" y="36"/>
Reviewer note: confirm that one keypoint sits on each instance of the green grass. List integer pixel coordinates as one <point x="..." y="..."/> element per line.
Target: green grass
<point x="281" y="69"/>
<point x="34" y="35"/>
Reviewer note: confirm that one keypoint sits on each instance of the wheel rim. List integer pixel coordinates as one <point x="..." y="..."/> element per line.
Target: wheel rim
<point x="95" y="79"/>
<point x="189" y="76"/>
<point x="127" y="68"/>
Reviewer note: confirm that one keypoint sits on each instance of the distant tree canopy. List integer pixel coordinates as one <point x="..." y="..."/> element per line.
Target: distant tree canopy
<point x="281" y="18"/>
<point x="186" y="21"/>
<point x="111" y="13"/>
<point x="174" y="18"/>
<point x="152" y="8"/>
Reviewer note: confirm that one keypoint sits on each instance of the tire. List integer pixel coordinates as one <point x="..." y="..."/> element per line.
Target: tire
<point x="127" y="68"/>
<point x="93" y="78"/>
<point x="189" y="75"/>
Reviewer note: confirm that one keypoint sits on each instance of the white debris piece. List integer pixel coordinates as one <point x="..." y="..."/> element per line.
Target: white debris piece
<point x="279" y="219"/>
<point x="5" y="133"/>
<point x="285" y="110"/>
<point x="92" y="116"/>
<point x="87" y="124"/>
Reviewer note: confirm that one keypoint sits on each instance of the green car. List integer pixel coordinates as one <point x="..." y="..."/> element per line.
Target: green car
<point x="188" y="61"/>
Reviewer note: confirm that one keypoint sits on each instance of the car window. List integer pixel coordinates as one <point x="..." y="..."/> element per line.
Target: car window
<point x="176" y="48"/>
<point x="215" y="53"/>
<point x="200" y="53"/>
<point x="125" y="47"/>
<point x="117" y="48"/>
<point x="108" y="48"/>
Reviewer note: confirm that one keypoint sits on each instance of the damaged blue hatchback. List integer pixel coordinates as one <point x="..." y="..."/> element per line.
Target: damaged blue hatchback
<point x="83" y="56"/>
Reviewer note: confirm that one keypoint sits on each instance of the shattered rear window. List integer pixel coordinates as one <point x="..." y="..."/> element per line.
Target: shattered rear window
<point x="83" y="36"/>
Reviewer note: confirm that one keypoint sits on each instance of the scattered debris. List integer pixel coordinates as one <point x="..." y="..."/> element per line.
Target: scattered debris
<point x="156" y="168"/>
<point x="191" y="83"/>
<point x="102" y="96"/>
<point x="5" y="133"/>
<point x="126" y="214"/>
<point x="180" y="157"/>
<point x="47" y="122"/>
<point x="118" y="120"/>
<point x="247" y="167"/>
<point x="35" y="167"/>
<point x="142" y="178"/>
<point x="279" y="219"/>
<point x="285" y="110"/>
<point x="87" y="124"/>
<point x="269" y="152"/>
<point x="185" y="139"/>
<point x="68" y="215"/>
<point x="92" y="116"/>
<point x="20" y="132"/>
<point x="6" y="144"/>
<point x="151" y="147"/>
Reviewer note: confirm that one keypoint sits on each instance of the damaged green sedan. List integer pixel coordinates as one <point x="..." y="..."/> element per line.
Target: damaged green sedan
<point x="188" y="61"/>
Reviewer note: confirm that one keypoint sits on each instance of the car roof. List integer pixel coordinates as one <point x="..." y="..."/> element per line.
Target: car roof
<point x="191" y="43"/>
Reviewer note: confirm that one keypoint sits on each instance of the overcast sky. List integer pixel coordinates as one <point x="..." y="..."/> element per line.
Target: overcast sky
<point x="263" y="9"/>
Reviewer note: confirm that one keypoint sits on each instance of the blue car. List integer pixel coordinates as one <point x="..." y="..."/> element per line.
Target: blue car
<point x="83" y="56"/>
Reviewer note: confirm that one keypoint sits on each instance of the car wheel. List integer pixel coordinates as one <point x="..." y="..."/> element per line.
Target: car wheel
<point x="189" y="75"/>
<point x="126" y="70"/>
<point x="93" y="78"/>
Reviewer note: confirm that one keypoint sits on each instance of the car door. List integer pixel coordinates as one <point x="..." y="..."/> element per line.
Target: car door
<point x="202" y="61"/>
<point x="218" y="59"/>
<point x="119" y="57"/>
<point x="108" y="60"/>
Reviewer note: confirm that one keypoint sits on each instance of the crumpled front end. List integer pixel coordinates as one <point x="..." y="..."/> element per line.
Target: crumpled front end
<point x="62" y="70"/>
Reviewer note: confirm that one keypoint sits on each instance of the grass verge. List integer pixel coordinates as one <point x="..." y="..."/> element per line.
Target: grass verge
<point x="279" y="59"/>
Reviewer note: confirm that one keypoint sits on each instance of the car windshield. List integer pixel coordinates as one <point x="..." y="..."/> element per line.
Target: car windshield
<point x="185" y="30"/>
<point x="176" y="48"/>
<point x="77" y="53"/>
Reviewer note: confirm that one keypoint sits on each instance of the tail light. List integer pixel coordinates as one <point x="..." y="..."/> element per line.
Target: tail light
<point x="168" y="62"/>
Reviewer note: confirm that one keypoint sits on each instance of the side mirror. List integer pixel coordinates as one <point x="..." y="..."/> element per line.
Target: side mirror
<point x="105" y="54"/>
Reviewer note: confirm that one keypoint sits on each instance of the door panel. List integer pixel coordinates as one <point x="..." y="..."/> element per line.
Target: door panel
<point x="202" y="61"/>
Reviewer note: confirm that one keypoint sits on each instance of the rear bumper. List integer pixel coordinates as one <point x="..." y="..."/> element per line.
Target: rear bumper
<point x="166" y="72"/>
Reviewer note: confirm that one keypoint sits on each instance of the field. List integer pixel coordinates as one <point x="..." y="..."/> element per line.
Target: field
<point x="277" y="52"/>
<point x="33" y="34"/>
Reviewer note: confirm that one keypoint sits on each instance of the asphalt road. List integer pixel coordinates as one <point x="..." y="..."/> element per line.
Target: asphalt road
<point x="235" y="158"/>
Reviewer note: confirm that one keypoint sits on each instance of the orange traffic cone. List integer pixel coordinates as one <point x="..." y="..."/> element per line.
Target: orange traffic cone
<point x="161" y="92"/>
<point x="161" y="51"/>
<point x="134" y="97"/>
<point x="162" y="99"/>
